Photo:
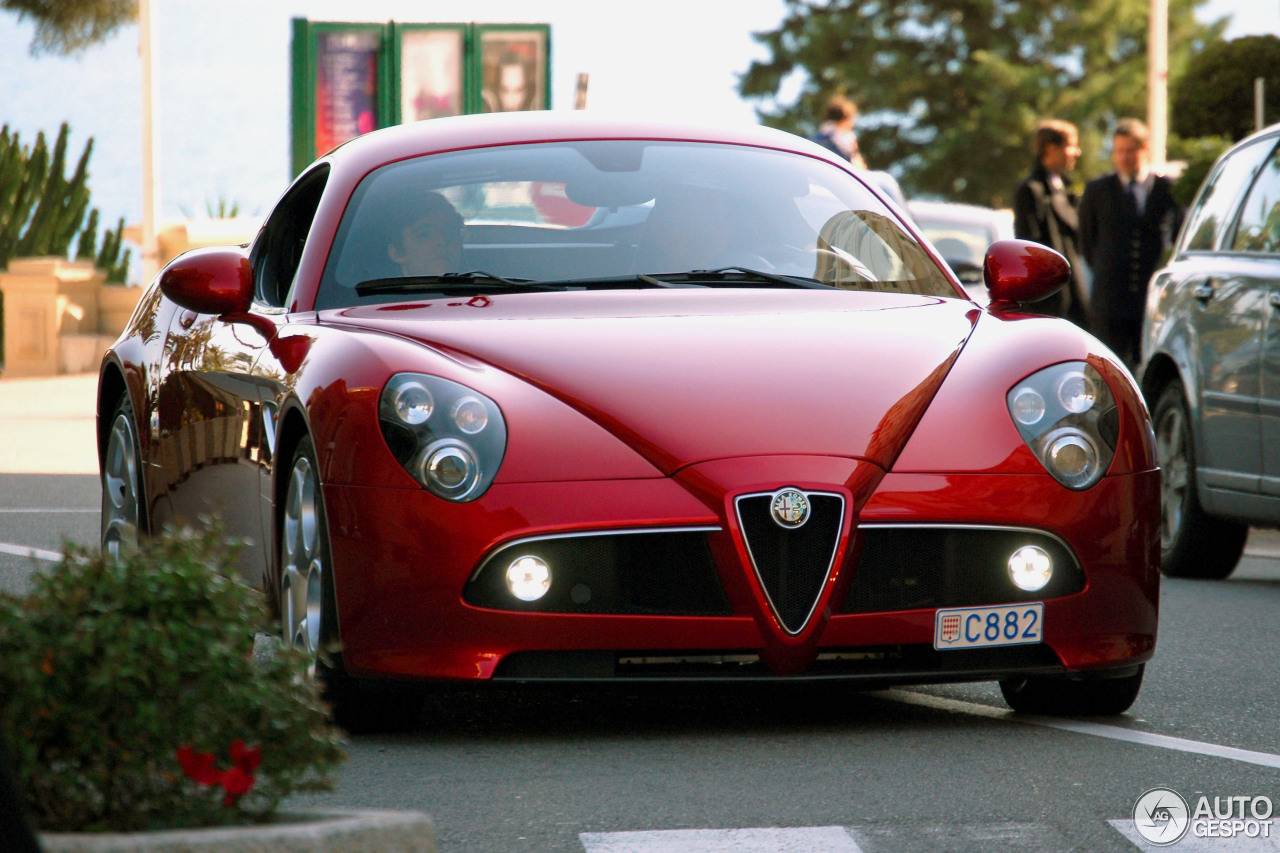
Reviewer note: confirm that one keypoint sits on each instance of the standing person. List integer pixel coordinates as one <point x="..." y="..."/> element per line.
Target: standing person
<point x="1127" y="220"/>
<point x="836" y="131"/>
<point x="1044" y="211"/>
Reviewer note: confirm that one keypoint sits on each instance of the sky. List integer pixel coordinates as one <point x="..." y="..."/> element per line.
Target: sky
<point x="223" y="72"/>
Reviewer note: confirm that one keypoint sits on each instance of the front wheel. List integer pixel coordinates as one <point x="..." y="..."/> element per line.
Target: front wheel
<point x="124" y="510"/>
<point x="1192" y="543"/>
<point x="1072" y="697"/>
<point x="308" y="605"/>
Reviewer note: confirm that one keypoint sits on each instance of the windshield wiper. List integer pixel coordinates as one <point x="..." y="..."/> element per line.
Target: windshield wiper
<point x="461" y="283"/>
<point x="448" y="284"/>
<point x="740" y="277"/>
<point x="726" y="276"/>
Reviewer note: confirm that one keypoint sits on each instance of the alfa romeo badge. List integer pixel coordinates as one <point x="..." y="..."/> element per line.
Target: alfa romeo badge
<point x="789" y="508"/>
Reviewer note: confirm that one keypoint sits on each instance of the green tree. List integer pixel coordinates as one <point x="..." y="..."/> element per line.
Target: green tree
<point x="950" y="90"/>
<point x="1215" y="96"/>
<point x="65" y="26"/>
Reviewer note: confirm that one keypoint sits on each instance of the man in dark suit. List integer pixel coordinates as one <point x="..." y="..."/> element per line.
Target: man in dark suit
<point x="1128" y="219"/>
<point x="1044" y="211"/>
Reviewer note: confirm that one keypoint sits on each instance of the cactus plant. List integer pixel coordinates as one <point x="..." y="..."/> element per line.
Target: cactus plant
<point x="60" y="206"/>
<point x="41" y="210"/>
<point x="109" y="258"/>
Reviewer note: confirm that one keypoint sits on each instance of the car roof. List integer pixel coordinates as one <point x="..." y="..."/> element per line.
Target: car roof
<point x="513" y="128"/>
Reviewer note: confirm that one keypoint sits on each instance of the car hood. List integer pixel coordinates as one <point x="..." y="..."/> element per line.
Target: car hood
<point x="685" y="376"/>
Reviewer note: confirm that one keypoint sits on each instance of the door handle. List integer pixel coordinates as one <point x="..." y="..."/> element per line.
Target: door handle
<point x="1203" y="292"/>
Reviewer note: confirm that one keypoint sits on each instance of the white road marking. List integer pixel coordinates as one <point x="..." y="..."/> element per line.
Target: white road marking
<point x="1192" y="844"/>
<point x="24" y="551"/>
<point x="1177" y="744"/>
<point x="806" y="839"/>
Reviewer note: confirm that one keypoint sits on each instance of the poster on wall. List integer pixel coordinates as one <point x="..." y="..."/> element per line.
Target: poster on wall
<point x="432" y="63"/>
<point x="346" y="86"/>
<point x="514" y="62"/>
<point x="351" y="77"/>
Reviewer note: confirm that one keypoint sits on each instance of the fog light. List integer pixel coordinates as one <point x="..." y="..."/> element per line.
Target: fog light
<point x="529" y="578"/>
<point x="1030" y="568"/>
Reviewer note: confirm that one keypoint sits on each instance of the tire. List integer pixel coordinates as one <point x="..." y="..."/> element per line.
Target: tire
<point x="1072" y="697"/>
<point x="124" y="509"/>
<point x="1192" y="543"/>
<point x="308" y="606"/>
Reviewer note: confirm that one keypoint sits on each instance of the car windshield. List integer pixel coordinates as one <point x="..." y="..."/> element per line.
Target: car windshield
<point x="575" y="215"/>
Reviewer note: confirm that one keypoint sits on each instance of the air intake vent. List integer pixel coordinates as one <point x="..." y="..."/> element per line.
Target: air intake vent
<point x="792" y="561"/>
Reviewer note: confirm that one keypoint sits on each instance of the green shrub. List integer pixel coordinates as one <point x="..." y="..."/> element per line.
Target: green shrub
<point x="114" y="670"/>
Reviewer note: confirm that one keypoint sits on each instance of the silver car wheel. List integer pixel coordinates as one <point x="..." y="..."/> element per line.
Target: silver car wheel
<point x="1171" y="453"/>
<point x="302" y="563"/>
<point x="120" y="487"/>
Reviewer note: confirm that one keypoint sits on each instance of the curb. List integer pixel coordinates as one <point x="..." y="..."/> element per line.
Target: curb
<point x="344" y="831"/>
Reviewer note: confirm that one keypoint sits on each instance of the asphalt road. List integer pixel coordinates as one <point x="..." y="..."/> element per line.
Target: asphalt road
<point x="909" y="769"/>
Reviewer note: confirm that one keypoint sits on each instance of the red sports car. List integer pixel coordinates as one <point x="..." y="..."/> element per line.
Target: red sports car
<point x="542" y="397"/>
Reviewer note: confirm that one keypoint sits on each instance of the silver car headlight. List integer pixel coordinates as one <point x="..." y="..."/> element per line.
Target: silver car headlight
<point x="1068" y="418"/>
<point x="449" y="437"/>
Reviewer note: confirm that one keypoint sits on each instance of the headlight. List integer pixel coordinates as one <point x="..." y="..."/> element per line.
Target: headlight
<point x="1067" y="416"/>
<point x="449" y="437"/>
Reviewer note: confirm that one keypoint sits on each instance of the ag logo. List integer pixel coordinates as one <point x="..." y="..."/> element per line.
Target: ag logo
<point x="789" y="508"/>
<point x="1161" y="816"/>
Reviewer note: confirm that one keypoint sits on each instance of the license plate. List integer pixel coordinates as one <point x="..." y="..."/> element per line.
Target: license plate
<point x="979" y="627"/>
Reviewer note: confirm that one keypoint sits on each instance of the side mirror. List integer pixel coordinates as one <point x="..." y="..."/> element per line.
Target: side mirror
<point x="1018" y="271"/>
<point x="215" y="280"/>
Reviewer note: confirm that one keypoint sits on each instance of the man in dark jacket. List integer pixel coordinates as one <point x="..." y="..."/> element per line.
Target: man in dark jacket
<point x="1128" y="219"/>
<point x="1044" y="211"/>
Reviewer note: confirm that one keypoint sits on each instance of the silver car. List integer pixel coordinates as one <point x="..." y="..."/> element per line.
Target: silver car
<point x="962" y="233"/>
<point x="1211" y="364"/>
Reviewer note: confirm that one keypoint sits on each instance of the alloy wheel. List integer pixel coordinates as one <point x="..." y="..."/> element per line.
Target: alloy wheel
<point x="120" y="488"/>
<point x="302" y="561"/>
<point x="1171" y="453"/>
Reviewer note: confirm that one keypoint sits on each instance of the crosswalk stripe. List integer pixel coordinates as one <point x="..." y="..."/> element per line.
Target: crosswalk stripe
<point x="1192" y="844"/>
<point x="807" y="839"/>
<point x="839" y="839"/>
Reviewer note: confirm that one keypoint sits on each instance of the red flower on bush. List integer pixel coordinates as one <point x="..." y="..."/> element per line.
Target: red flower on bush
<point x="237" y="780"/>
<point x="198" y="766"/>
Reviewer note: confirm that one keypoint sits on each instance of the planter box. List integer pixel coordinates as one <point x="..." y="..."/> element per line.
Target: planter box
<point x="59" y="316"/>
<point x="338" y="832"/>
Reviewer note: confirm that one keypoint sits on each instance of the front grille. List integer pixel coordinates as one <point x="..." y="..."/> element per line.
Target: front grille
<point x="661" y="573"/>
<point x="919" y="567"/>
<point x="792" y="564"/>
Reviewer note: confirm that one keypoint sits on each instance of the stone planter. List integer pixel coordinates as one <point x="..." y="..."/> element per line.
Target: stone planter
<point x="115" y="306"/>
<point x="59" y="316"/>
<point x="336" y="831"/>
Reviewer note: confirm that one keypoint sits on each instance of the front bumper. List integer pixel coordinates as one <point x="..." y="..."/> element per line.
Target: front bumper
<point x="402" y="560"/>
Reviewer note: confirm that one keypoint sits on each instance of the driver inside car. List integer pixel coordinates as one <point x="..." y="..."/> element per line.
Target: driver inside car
<point x="424" y="234"/>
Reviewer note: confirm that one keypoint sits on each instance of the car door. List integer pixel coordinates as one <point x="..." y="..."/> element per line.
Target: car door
<point x="215" y="407"/>
<point x="1255" y="253"/>
<point x="1226" y="310"/>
